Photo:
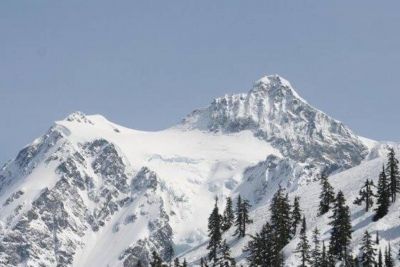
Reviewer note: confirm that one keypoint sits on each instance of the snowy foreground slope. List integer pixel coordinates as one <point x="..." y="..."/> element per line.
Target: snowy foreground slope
<point x="93" y="193"/>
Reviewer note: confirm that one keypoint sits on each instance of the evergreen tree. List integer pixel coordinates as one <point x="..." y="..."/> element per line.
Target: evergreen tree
<point x="228" y="216"/>
<point x="260" y="248"/>
<point x="280" y="218"/>
<point x="380" y="260"/>
<point x="327" y="196"/>
<point x="303" y="247"/>
<point x="377" y="238"/>
<point x="242" y="216"/>
<point x="296" y="215"/>
<point x="214" y="232"/>
<point x="139" y="264"/>
<point x="239" y="217"/>
<point x="226" y="258"/>
<point x="392" y="171"/>
<point x="366" y="195"/>
<point x="184" y="264"/>
<point x="246" y="219"/>
<point x="316" y="251"/>
<point x="156" y="260"/>
<point x="177" y="263"/>
<point x="382" y="197"/>
<point x="388" y="257"/>
<point x="368" y="252"/>
<point x="341" y="229"/>
<point x="324" y="257"/>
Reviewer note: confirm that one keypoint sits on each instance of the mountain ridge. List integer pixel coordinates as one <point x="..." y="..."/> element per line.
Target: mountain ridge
<point x="89" y="185"/>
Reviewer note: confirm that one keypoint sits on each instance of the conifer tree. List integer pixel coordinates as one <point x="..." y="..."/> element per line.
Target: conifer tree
<point x="392" y="172"/>
<point x="316" y="251"/>
<point x="380" y="260"/>
<point x="214" y="232"/>
<point x="226" y="259"/>
<point x="228" y="216"/>
<point x="341" y="229"/>
<point x="368" y="252"/>
<point x="260" y="248"/>
<point x="139" y="264"/>
<point x="242" y="216"/>
<point x="246" y="219"/>
<point x="382" y="197"/>
<point x="280" y="218"/>
<point x="377" y="238"/>
<point x="388" y="257"/>
<point x="366" y="195"/>
<point x="238" y="217"/>
<point x="327" y="196"/>
<point x="303" y="247"/>
<point x="324" y="256"/>
<point x="296" y="215"/>
<point x="184" y="264"/>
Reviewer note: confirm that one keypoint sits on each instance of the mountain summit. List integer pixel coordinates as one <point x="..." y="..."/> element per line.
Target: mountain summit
<point x="93" y="193"/>
<point x="274" y="111"/>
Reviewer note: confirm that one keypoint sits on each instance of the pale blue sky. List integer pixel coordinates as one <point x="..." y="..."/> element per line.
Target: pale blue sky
<point x="145" y="64"/>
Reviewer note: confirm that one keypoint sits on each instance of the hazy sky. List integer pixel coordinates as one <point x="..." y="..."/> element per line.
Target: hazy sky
<point x="145" y="64"/>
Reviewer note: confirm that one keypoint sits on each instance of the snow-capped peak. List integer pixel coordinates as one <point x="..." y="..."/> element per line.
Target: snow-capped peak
<point x="274" y="83"/>
<point x="88" y="183"/>
<point x="273" y="111"/>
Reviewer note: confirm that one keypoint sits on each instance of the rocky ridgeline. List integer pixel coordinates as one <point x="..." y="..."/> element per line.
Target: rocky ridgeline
<point x="50" y="228"/>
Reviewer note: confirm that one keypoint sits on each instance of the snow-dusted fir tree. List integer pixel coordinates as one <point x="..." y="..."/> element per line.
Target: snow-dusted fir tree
<point x="228" y="215"/>
<point x="296" y="215"/>
<point x="380" y="259"/>
<point x="341" y="229"/>
<point x="242" y="216"/>
<point x="246" y="218"/>
<point x="327" y="195"/>
<point x="366" y="195"/>
<point x="226" y="259"/>
<point x="214" y="232"/>
<point x="383" y="196"/>
<point x="316" y="251"/>
<point x="238" y="217"/>
<point x="368" y="251"/>
<point x="392" y="172"/>
<point x="303" y="247"/>
<point x="389" y="262"/>
<point x="260" y="249"/>
<point x="280" y="218"/>
<point x="324" y="256"/>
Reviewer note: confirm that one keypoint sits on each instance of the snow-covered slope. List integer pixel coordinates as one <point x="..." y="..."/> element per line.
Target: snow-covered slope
<point x="93" y="193"/>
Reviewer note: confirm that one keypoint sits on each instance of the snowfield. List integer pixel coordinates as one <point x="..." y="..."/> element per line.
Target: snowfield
<point x="93" y="193"/>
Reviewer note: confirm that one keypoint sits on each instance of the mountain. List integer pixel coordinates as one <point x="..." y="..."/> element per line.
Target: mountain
<point x="93" y="193"/>
<point x="274" y="112"/>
